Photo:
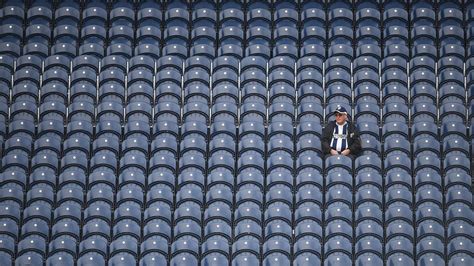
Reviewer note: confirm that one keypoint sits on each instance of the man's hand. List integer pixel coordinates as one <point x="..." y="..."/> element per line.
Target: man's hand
<point x="334" y="152"/>
<point x="346" y="152"/>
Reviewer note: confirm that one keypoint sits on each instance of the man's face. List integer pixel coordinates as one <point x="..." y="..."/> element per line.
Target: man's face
<point x="340" y="118"/>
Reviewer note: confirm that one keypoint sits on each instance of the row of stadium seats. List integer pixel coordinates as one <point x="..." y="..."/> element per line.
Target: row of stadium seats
<point x="122" y="81"/>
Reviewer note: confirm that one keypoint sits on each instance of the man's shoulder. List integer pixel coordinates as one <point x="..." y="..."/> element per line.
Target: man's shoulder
<point x="353" y="127"/>
<point x="330" y="124"/>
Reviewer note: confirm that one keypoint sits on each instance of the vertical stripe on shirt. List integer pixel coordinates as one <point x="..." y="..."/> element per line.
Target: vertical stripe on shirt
<point x="339" y="140"/>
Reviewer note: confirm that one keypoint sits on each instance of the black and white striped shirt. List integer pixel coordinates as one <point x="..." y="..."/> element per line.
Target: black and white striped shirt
<point x="339" y="140"/>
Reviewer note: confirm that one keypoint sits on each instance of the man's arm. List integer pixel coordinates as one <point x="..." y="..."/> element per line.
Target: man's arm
<point x="326" y="139"/>
<point x="355" y="146"/>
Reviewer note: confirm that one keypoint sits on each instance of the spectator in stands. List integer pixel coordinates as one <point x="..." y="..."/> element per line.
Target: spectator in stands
<point x="341" y="136"/>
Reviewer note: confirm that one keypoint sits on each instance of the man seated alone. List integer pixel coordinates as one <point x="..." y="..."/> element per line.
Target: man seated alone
<point x="341" y="136"/>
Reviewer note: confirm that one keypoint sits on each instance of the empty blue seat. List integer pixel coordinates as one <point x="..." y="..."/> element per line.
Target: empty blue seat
<point x="400" y="258"/>
<point x="459" y="245"/>
<point x="245" y="258"/>
<point x="90" y="258"/>
<point x="122" y="259"/>
<point x="33" y="243"/>
<point x="60" y="259"/>
<point x="276" y="258"/>
<point x="151" y="258"/>
<point x="28" y="258"/>
<point x="187" y="252"/>
<point x="460" y="259"/>
<point x="214" y="259"/>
